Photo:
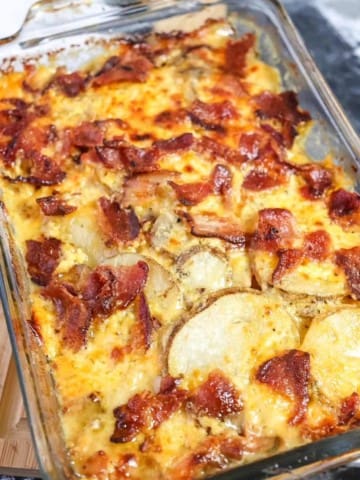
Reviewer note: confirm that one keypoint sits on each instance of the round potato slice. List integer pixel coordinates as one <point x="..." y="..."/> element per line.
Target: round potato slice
<point x="322" y="279"/>
<point x="333" y="342"/>
<point x="236" y="332"/>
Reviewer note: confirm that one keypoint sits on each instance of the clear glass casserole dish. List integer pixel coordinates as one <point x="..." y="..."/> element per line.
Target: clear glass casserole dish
<point x="280" y="47"/>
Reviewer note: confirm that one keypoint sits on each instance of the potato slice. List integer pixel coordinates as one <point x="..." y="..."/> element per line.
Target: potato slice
<point x="203" y="270"/>
<point x="236" y="332"/>
<point x="161" y="290"/>
<point x="321" y="279"/>
<point x="333" y="341"/>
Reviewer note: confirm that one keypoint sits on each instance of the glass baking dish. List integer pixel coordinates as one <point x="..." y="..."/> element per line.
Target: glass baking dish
<point x="67" y="35"/>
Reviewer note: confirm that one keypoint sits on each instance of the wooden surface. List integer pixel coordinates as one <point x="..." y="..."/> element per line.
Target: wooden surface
<point x="17" y="455"/>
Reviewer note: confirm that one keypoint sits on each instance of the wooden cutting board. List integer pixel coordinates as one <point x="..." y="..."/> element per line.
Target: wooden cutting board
<point x="17" y="456"/>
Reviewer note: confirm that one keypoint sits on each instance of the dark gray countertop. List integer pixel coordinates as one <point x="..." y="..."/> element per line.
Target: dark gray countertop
<point x="331" y="31"/>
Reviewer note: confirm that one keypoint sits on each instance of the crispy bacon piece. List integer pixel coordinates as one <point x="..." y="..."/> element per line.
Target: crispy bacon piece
<point x="216" y="397"/>
<point x="269" y="172"/>
<point x="110" y="288"/>
<point x="289" y="374"/>
<point x="350" y="410"/>
<point x="212" y="116"/>
<point x="236" y="53"/>
<point x="108" y="156"/>
<point x="132" y="67"/>
<point x="276" y="230"/>
<point x="176" y="144"/>
<point x="217" y="151"/>
<point x="71" y="84"/>
<point x="42" y="171"/>
<point x="318" y="180"/>
<point x="349" y="261"/>
<point x="251" y="145"/>
<point x="218" y="227"/>
<point x="144" y="319"/>
<point x="54" y="205"/>
<point x="221" y="179"/>
<point x="344" y="208"/>
<point x="138" y="160"/>
<point x="120" y="224"/>
<point x="317" y="245"/>
<point x="289" y="259"/>
<point x="42" y="258"/>
<point x="190" y="194"/>
<point x="88" y="134"/>
<point x="283" y="106"/>
<point x="145" y="411"/>
<point x="72" y="314"/>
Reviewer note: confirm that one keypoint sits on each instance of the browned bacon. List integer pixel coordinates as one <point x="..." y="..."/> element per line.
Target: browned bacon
<point x="190" y="194"/>
<point x="236" y="53"/>
<point x="54" y="205"/>
<point x="131" y="67"/>
<point x="289" y="374"/>
<point x="42" y="258"/>
<point x="176" y="144"/>
<point x="275" y="231"/>
<point x="145" y="411"/>
<point x="145" y="321"/>
<point x="349" y="261"/>
<point x="171" y="118"/>
<point x="250" y="145"/>
<point x="107" y="288"/>
<point x="218" y="151"/>
<point x="212" y="116"/>
<point x="42" y="170"/>
<point x="318" y="180"/>
<point x="108" y="156"/>
<point x="73" y="315"/>
<point x="283" y="106"/>
<point x="269" y="172"/>
<point x="216" y="397"/>
<point x="218" y="227"/>
<point x="138" y="160"/>
<point x="71" y="84"/>
<point x="317" y="245"/>
<point x="87" y="134"/>
<point x="221" y="179"/>
<point x="120" y="224"/>
<point x="350" y="410"/>
<point x="344" y="208"/>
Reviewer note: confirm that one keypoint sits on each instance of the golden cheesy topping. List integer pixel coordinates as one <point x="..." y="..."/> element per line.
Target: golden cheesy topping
<point x="194" y="273"/>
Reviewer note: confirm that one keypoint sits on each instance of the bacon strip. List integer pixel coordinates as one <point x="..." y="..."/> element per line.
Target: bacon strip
<point x="70" y="84"/>
<point x="216" y="397"/>
<point x="176" y="144"/>
<point x="72" y="314"/>
<point x="349" y="261"/>
<point x="145" y="412"/>
<point x="289" y="374"/>
<point x="212" y="116"/>
<point x="318" y="180"/>
<point x="110" y="288"/>
<point x="236" y="53"/>
<point x="54" y="206"/>
<point x="269" y="172"/>
<point x="275" y="231"/>
<point x="42" y="171"/>
<point x="145" y="320"/>
<point x="288" y="260"/>
<point x="212" y="226"/>
<point x="350" y="410"/>
<point x="120" y="224"/>
<point x="42" y="258"/>
<point x="344" y="208"/>
<point x="132" y="67"/>
<point x="317" y="245"/>
<point x="87" y="134"/>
